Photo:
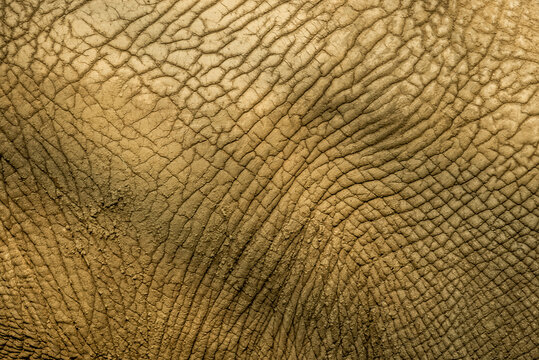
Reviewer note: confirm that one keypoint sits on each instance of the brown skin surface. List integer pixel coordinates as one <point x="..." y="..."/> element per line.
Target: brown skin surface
<point x="283" y="180"/>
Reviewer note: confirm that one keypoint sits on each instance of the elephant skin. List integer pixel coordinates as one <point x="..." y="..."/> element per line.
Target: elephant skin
<point x="235" y="179"/>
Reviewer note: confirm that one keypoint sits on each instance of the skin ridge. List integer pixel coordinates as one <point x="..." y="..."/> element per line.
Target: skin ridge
<point x="313" y="180"/>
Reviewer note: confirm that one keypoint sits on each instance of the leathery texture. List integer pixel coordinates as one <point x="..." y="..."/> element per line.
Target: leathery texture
<point x="269" y="179"/>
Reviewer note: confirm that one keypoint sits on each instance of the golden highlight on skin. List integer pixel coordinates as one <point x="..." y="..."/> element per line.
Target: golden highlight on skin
<point x="341" y="179"/>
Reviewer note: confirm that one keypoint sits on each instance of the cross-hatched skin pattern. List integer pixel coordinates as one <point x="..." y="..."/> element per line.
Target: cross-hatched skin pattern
<point x="270" y="179"/>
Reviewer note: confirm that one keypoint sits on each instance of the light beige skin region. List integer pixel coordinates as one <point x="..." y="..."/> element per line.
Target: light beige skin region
<point x="269" y="180"/>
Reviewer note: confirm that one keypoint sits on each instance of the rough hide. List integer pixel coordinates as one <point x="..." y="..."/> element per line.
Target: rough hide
<point x="269" y="180"/>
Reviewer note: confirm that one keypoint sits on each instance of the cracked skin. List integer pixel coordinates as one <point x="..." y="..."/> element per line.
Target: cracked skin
<point x="236" y="179"/>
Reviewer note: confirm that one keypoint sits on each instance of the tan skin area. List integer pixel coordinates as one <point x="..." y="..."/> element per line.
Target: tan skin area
<point x="269" y="180"/>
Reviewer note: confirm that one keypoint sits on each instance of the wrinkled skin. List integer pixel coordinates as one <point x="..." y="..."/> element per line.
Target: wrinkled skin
<point x="285" y="180"/>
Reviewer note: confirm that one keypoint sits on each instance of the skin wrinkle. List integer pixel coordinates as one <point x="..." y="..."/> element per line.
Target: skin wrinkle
<point x="339" y="179"/>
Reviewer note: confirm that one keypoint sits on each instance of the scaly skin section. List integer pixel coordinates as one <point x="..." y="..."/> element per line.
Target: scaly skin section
<point x="247" y="179"/>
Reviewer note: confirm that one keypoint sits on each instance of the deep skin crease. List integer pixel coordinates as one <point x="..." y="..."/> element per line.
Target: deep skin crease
<point x="269" y="179"/>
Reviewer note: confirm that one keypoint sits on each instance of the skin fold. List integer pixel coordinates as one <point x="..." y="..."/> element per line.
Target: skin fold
<point x="337" y="179"/>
